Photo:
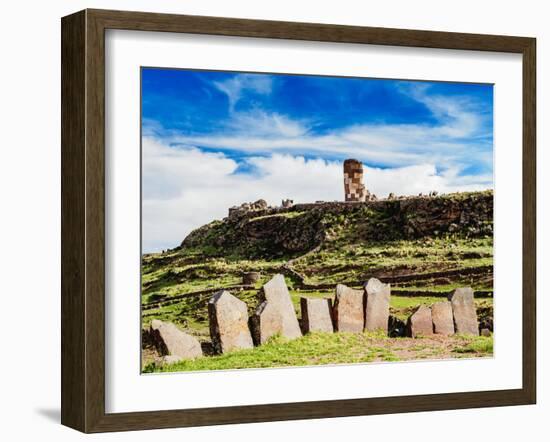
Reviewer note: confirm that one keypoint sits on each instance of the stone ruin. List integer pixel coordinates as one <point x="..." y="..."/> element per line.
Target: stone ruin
<point x="259" y="205"/>
<point x="287" y="204"/>
<point x="353" y="311"/>
<point x="354" y="189"/>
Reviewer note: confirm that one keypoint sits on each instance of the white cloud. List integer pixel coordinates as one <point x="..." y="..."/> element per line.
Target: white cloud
<point x="461" y="134"/>
<point x="184" y="187"/>
<point x="264" y="124"/>
<point x="240" y="83"/>
<point x="457" y="138"/>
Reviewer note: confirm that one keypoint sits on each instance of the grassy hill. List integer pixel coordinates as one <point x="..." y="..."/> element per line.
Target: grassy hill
<point x="424" y="246"/>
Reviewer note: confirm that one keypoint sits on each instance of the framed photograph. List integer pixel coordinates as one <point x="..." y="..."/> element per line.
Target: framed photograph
<point x="267" y="220"/>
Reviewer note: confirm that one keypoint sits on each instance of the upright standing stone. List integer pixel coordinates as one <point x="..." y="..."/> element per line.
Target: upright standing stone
<point x="266" y="322"/>
<point x="171" y="341"/>
<point x="228" y="323"/>
<point x="316" y="315"/>
<point x="464" y="311"/>
<point x="377" y="307"/>
<point x="420" y="322"/>
<point x="442" y="316"/>
<point x="348" y="309"/>
<point x="276" y="293"/>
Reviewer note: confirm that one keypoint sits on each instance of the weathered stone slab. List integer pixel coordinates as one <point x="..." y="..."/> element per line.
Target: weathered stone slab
<point x="349" y="309"/>
<point x="377" y="305"/>
<point x="228" y="323"/>
<point x="172" y="342"/>
<point x="464" y="311"/>
<point x="442" y="317"/>
<point x="420" y="322"/>
<point x="266" y="322"/>
<point x="316" y="315"/>
<point x="276" y="293"/>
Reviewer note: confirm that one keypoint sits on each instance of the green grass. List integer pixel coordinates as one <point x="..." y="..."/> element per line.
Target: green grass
<point x="312" y="349"/>
<point x="479" y="345"/>
<point x="345" y="258"/>
<point x="335" y="348"/>
<point x="351" y="252"/>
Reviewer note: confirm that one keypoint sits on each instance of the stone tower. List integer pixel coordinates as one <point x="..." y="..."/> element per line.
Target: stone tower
<point x="353" y="181"/>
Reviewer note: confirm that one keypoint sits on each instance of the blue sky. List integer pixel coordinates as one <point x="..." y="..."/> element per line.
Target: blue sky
<point x="239" y="129"/>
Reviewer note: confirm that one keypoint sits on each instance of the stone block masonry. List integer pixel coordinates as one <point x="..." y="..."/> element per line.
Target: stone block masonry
<point x="354" y="188"/>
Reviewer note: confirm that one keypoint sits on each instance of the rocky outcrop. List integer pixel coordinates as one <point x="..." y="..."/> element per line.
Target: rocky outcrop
<point x="256" y="230"/>
<point x="470" y="213"/>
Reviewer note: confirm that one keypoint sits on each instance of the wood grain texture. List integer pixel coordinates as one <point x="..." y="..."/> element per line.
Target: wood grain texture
<point x="73" y="254"/>
<point x="529" y="221"/>
<point x="83" y="220"/>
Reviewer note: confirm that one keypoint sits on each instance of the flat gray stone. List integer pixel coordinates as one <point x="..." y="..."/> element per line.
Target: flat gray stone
<point x="377" y="305"/>
<point x="228" y="317"/>
<point x="420" y="322"/>
<point x="172" y="342"/>
<point x="316" y="315"/>
<point x="464" y="311"/>
<point x="276" y="293"/>
<point x="349" y="309"/>
<point x="442" y="317"/>
<point x="266" y="322"/>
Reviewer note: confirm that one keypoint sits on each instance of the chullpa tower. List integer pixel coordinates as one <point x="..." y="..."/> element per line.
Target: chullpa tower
<point x="353" y="181"/>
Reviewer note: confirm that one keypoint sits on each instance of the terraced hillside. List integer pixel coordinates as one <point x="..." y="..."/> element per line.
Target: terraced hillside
<point x="424" y="246"/>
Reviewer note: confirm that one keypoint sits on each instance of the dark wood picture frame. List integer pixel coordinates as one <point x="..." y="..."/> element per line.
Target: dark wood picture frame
<point x="83" y="220"/>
